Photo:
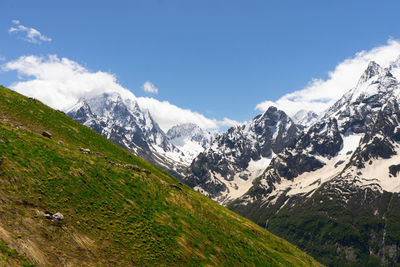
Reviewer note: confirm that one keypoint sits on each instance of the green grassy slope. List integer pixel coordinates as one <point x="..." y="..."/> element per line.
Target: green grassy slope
<point x="113" y="215"/>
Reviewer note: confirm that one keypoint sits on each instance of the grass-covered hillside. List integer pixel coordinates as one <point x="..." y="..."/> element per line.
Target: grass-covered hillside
<point x="113" y="213"/>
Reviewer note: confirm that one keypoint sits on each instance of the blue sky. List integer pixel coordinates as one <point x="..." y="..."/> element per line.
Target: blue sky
<point x="218" y="58"/>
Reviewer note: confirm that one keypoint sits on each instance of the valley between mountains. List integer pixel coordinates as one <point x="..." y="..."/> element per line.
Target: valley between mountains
<point x="329" y="183"/>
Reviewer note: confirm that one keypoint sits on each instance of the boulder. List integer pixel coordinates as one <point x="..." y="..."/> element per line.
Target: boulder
<point x="58" y="216"/>
<point x="46" y="134"/>
<point x="85" y="150"/>
<point x="54" y="216"/>
<point x="48" y="215"/>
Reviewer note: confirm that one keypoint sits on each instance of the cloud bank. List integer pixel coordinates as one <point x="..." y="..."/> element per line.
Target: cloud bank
<point x="28" y="34"/>
<point x="320" y="94"/>
<point x="61" y="82"/>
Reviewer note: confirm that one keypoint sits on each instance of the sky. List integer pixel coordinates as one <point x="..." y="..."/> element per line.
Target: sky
<point x="212" y="62"/>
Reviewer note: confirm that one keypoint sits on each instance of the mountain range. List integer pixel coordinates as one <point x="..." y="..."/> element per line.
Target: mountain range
<point x="335" y="191"/>
<point x="70" y="197"/>
<point x="326" y="182"/>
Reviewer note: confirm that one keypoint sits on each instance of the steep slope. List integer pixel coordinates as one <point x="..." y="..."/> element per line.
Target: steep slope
<point x="335" y="192"/>
<point x="114" y="213"/>
<point x="226" y="169"/>
<point x="121" y="120"/>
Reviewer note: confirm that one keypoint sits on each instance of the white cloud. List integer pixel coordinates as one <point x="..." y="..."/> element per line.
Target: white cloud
<point x="150" y="88"/>
<point x="61" y="82"/>
<point x="30" y="34"/>
<point x="320" y="94"/>
<point x="168" y="115"/>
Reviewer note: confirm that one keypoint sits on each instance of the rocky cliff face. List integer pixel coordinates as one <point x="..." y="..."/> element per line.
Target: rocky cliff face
<point x="226" y="169"/>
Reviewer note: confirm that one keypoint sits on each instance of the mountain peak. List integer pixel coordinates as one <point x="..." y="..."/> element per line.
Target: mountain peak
<point x="372" y="70"/>
<point x="271" y="113"/>
<point x="272" y="109"/>
<point x="78" y="105"/>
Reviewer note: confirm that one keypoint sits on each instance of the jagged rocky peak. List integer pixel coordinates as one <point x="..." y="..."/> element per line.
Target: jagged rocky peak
<point x="374" y="82"/>
<point x="273" y="131"/>
<point x="114" y="106"/>
<point x="81" y="112"/>
<point x="372" y="70"/>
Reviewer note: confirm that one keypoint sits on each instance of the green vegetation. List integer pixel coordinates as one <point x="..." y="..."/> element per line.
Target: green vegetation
<point x="10" y="257"/>
<point x="334" y="231"/>
<point x="113" y="215"/>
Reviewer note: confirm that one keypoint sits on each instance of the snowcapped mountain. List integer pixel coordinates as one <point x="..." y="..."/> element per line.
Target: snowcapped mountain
<point x="122" y="121"/>
<point x="339" y="178"/>
<point x="331" y="142"/>
<point x="227" y="169"/>
<point x="190" y="139"/>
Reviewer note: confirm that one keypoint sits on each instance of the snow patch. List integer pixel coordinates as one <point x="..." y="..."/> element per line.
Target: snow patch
<point x="378" y="173"/>
<point x="239" y="186"/>
<point x="309" y="181"/>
